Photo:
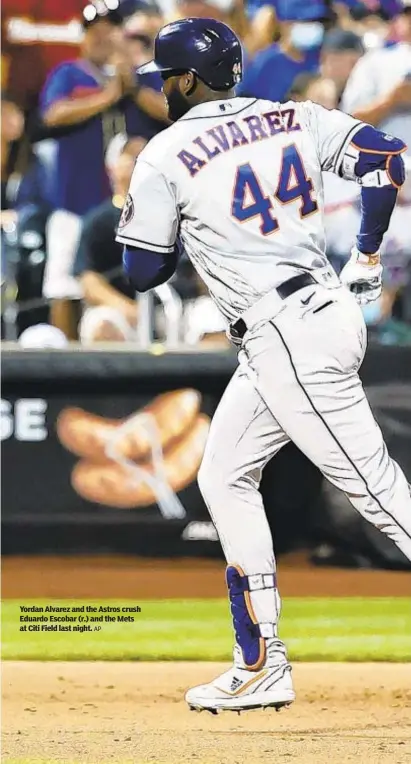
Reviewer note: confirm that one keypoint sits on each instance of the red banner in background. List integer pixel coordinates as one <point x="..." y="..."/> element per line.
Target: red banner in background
<point x="35" y="37"/>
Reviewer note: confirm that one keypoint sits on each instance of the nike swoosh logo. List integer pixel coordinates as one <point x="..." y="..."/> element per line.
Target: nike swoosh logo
<point x="305" y="302"/>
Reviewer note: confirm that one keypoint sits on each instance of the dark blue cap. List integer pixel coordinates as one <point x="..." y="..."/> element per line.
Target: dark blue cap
<point x="206" y="47"/>
<point x="342" y="39"/>
<point x="387" y="9"/>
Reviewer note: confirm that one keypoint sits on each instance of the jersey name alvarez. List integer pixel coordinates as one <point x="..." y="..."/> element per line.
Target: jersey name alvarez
<point x="239" y="132"/>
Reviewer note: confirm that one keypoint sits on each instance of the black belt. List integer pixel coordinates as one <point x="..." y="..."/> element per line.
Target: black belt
<point x="239" y="327"/>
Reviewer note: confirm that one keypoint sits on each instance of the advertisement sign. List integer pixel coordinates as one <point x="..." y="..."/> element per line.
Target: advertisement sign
<point x="111" y="458"/>
<point x="93" y="456"/>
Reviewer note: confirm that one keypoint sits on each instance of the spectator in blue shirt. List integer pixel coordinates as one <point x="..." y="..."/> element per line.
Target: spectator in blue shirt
<point x="86" y="102"/>
<point x="140" y="30"/>
<point x="90" y="100"/>
<point x="274" y="69"/>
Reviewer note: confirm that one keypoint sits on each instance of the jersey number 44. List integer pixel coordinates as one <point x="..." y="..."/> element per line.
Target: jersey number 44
<point x="249" y="200"/>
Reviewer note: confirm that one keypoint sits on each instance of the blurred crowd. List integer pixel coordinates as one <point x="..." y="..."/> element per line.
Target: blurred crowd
<point x="70" y="142"/>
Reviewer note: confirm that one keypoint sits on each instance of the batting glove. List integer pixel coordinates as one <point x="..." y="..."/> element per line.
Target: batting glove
<point x="363" y="276"/>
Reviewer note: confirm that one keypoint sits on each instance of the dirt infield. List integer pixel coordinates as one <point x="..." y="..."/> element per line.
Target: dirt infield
<point x="134" y="713"/>
<point x="92" y="713"/>
<point x="130" y="577"/>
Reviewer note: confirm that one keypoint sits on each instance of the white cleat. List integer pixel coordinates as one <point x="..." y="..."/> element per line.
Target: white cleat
<point x="239" y="689"/>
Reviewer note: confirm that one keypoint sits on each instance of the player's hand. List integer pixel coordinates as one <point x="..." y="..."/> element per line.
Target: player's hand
<point x="363" y="276"/>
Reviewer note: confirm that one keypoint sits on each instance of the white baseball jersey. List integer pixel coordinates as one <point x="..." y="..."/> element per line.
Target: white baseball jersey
<point x="240" y="182"/>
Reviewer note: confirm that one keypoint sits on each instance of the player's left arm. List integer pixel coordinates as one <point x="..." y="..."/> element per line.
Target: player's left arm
<point x="148" y="228"/>
<point x="359" y="152"/>
<point x="374" y="160"/>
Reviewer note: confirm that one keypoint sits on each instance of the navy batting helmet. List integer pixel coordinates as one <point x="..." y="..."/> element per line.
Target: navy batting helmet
<point x="206" y="47"/>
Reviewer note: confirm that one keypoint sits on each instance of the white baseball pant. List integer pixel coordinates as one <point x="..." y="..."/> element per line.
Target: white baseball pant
<point x="298" y="380"/>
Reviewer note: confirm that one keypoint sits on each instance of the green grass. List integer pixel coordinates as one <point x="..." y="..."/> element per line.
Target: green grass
<point x="354" y="629"/>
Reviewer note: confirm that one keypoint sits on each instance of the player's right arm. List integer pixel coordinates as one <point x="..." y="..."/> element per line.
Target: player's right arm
<point x="359" y="152"/>
<point x="60" y="108"/>
<point x="149" y="228"/>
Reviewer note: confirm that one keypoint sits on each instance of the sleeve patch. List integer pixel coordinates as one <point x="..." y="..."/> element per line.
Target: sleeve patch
<point x="127" y="213"/>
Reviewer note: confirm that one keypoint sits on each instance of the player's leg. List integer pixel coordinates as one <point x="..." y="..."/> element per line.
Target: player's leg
<point x="243" y="437"/>
<point x="307" y="367"/>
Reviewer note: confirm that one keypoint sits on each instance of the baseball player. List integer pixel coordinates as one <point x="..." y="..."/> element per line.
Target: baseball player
<point x="238" y="181"/>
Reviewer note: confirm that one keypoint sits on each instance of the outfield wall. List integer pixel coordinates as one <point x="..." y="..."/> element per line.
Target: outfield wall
<point x="78" y="452"/>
